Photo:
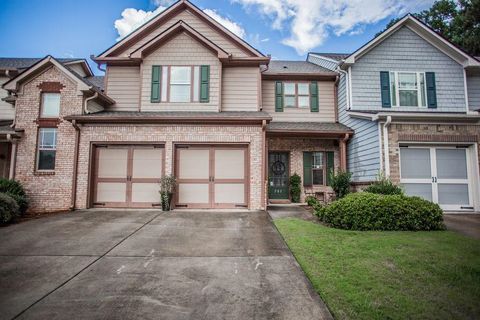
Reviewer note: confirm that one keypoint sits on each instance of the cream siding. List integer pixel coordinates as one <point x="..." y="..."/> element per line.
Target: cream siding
<point x="182" y="50"/>
<point x="326" y="102"/>
<point x="240" y="89"/>
<point x="7" y="111"/>
<point x="197" y="24"/>
<point x="123" y="86"/>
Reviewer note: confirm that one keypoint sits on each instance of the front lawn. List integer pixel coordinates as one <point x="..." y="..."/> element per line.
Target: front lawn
<point x="388" y="275"/>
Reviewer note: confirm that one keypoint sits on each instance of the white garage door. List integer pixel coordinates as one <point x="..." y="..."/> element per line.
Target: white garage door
<point x="438" y="174"/>
<point x="211" y="176"/>
<point x="127" y="176"/>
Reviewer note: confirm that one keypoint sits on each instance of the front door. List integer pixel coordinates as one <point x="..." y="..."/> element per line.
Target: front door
<point x="438" y="174"/>
<point x="278" y="175"/>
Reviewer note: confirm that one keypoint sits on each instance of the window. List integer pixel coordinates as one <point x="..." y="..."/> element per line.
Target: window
<point x="180" y="84"/>
<point x="50" y="107"/>
<point x="318" y="161"/>
<point x="47" y="145"/>
<point x="296" y="94"/>
<point x="407" y="89"/>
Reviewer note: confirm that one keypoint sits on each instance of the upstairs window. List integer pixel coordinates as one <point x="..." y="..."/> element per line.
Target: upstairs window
<point x="408" y="89"/>
<point x="296" y="94"/>
<point x="180" y="84"/>
<point x="50" y="105"/>
<point x="47" y="149"/>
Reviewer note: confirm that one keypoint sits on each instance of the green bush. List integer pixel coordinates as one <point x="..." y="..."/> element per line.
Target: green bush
<point x="340" y="183"/>
<point x="8" y="208"/>
<point x="384" y="185"/>
<point x="311" y="201"/>
<point x="295" y="187"/>
<point x="369" y="211"/>
<point x="15" y="190"/>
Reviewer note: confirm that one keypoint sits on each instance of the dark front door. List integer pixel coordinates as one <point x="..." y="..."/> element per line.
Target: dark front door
<point x="278" y="175"/>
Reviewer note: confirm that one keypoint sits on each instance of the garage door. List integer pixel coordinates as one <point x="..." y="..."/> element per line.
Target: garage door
<point x="438" y="174"/>
<point x="127" y="176"/>
<point x="211" y="176"/>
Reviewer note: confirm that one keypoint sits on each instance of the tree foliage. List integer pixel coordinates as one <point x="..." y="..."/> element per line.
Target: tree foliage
<point x="457" y="21"/>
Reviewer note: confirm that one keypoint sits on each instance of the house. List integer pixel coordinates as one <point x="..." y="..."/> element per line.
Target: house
<point x="412" y="99"/>
<point x="181" y="95"/>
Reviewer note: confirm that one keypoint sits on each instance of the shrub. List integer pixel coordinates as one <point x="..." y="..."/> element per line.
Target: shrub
<point x="8" y="208"/>
<point x="369" y="211"/>
<point x="311" y="201"/>
<point x="340" y="183"/>
<point x="15" y="190"/>
<point x="383" y="185"/>
<point x="295" y="188"/>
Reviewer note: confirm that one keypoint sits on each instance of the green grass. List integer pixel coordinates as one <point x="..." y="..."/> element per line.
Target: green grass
<point x="388" y="275"/>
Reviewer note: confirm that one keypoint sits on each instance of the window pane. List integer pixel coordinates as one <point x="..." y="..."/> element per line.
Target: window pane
<point x="50" y="104"/>
<point x="180" y="93"/>
<point x="393" y="92"/>
<point x="407" y="80"/>
<point x="289" y="88"/>
<point x="451" y="164"/>
<point x="289" y="101"/>
<point x="422" y="89"/>
<point x="317" y="176"/>
<point x="452" y="193"/>
<point x="303" y="88"/>
<point x="180" y="75"/>
<point x="317" y="160"/>
<point x="48" y="138"/>
<point x="46" y="159"/>
<point x="415" y="163"/>
<point x="304" y="101"/>
<point x="408" y="98"/>
<point x="423" y="190"/>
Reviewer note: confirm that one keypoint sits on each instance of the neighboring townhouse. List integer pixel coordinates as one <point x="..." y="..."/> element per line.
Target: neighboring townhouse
<point x="412" y="99"/>
<point x="182" y="95"/>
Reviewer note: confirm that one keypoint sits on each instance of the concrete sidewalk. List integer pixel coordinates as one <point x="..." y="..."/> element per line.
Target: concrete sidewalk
<point x="147" y="264"/>
<point x="466" y="224"/>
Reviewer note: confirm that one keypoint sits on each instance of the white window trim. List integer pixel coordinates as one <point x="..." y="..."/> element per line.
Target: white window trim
<point x="40" y="147"/>
<point x="419" y="90"/>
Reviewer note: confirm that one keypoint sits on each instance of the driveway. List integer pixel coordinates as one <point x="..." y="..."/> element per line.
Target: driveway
<point x="125" y="264"/>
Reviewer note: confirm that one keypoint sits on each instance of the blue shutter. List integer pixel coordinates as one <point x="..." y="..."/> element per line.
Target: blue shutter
<point x="431" y="89"/>
<point x="385" y="88"/>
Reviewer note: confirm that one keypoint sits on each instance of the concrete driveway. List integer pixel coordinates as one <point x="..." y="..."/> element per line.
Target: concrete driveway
<point x="126" y="264"/>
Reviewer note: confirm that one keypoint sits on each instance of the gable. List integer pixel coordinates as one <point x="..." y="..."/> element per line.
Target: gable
<point x="194" y="17"/>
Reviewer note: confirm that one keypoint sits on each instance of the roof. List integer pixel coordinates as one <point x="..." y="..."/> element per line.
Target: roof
<point x="169" y="117"/>
<point x="309" y="127"/>
<point x="97" y="81"/>
<point x="333" y="56"/>
<point x="23" y="63"/>
<point x="6" y="128"/>
<point x="293" y="67"/>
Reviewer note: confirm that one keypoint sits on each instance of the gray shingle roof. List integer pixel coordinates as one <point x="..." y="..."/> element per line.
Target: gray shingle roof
<point x="333" y="56"/>
<point x="22" y="63"/>
<point x="292" y="67"/>
<point x="96" y="81"/>
<point x="318" y="127"/>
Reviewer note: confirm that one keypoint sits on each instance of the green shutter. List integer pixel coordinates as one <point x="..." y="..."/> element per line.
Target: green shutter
<point x="156" y="73"/>
<point x="278" y="96"/>
<point x="431" y="89"/>
<point x="385" y="88"/>
<point x="307" y="168"/>
<point x="314" y="96"/>
<point x="204" y="83"/>
<point x="330" y="166"/>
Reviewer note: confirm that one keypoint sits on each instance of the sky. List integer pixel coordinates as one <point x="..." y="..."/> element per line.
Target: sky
<point x="285" y="29"/>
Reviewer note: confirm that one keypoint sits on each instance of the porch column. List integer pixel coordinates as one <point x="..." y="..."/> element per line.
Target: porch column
<point x="13" y="157"/>
<point x="343" y="153"/>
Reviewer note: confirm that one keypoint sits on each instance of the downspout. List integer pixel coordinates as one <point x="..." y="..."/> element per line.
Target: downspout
<point x="343" y="152"/>
<point x="385" y="145"/>
<point x="264" y="164"/>
<point x="13" y="157"/>
<point x="347" y="86"/>
<point x="75" y="165"/>
<point x="85" y="110"/>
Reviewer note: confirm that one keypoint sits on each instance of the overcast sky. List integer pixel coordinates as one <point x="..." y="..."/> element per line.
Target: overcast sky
<point x="286" y="29"/>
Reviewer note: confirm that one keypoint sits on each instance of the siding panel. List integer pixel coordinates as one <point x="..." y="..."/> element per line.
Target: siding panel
<point x="123" y="85"/>
<point x="473" y="85"/>
<point x="240" y="89"/>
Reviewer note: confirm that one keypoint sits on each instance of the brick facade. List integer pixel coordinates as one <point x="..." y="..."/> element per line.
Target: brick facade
<point x="296" y="147"/>
<point x="434" y="133"/>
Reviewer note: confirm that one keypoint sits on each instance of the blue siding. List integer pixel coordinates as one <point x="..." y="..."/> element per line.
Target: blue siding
<point x="363" y="154"/>
<point x="406" y="51"/>
<point x="473" y="85"/>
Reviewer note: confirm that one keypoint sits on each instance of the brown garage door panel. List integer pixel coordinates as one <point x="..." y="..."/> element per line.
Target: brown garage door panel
<point x="127" y="175"/>
<point x="212" y="176"/>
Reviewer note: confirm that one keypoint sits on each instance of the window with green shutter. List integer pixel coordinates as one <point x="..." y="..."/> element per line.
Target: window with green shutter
<point x="316" y="166"/>
<point x="307" y="168"/>
<point x="278" y="96"/>
<point x="385" y="89"/>
<point x="156" y="73"/>
<point x="204" y="83"/>
<point x="431" y="89"/>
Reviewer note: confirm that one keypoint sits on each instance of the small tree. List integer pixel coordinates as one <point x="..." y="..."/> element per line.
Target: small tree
<point x="167" y="188"/>
<point x="295" y="187"/>
<point x="383" y="185"/>
<point x="340" y="183"/>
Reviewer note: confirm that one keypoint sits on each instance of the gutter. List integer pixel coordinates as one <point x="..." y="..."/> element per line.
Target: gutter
<point x="75" y="165"/>
<point x="385" y="145"/>
<point x="86" y="102"/>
